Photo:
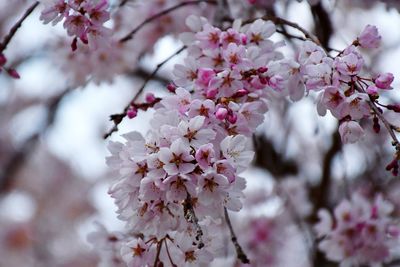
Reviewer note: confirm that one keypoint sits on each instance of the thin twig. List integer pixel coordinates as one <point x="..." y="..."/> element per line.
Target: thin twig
<point x="117" y="118"/>
<point x="159" y="246"/>
<point x="378" y="113"/>
<point x="385" y="123"/>
<point x="191" y="217"/>
<point x="307" y="34"/>
<point x="16" y="26"/>
<point x="143" y="73"/>
<point x="130" y="35"/>
<point x="239" y="251"/>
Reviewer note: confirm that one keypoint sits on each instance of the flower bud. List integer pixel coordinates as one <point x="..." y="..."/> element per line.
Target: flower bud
<point x="171" y="87"/>
<point x="132" y="112"/>
<point x="383" y="81"/>
<point x="221" y="113"/>
<point x="150" y="98"/>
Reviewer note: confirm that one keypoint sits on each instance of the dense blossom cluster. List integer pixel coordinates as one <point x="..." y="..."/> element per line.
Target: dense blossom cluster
<point x="361" y="232"/>
<point x="109" y="52"/>
<point x="344" y="90"/>
<point x="184" y="172"/>
<point x="83" y="20"/>
<point x="188" y="164"/>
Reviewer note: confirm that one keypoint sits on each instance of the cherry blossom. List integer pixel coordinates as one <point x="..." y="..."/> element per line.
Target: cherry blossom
<point x="369" y="37"/>
<point x="360" y="232"/>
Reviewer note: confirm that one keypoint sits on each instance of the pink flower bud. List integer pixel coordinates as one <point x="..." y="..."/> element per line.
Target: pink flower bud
<point x="132" y="112"/>
<point x="3" y="60"/>
<point x="150" y="98"/>
<point x="13" y="73"/>
<point x="243" y="38"/>
<point x="221" y="113"/>
<point x="171" y="87"/>
<point x="232" y="118"/>
<point x="262" y="69"/>
<point x="241" y="92"/>
<point x="394" y="167"/>
<point x="376" y="126"/>
<point x="372" y="90"/>
<point x="369" y="37"/>
<point x="74" y="45"/>
<point x="395" y="107"/>
<point x="383" y="81"/>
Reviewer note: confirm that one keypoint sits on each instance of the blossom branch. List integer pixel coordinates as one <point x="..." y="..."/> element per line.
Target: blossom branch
<point x="191" y="217"/>
<point x="117" y="118"/>
<point x="320" y="193"/>
<point x="130" y="35"/>
<point x="16" y="26"/>
<point x="387" y="125"/>
<point x="157" y="258"/>
<point x="282" y="21"/>
<point x="239" y="251"/>
<point x="144" y="73"/>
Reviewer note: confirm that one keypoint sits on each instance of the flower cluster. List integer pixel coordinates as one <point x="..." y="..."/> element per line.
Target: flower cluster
<point x="345" y="92"/>
<point x="361" y="232"/>
<point x="84" y="20"/>
<point x="184" y="172"/>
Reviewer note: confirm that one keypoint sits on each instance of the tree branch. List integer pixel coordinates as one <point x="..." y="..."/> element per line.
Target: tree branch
<point x="130" y="35"/>
<point x="117" y="118"/>
<point x="239" y="251"/>
<point x="16" y="26"/>
<point x="190" y="216"/>
<point x="282" y="21"/>
<point x="17" y="160"/>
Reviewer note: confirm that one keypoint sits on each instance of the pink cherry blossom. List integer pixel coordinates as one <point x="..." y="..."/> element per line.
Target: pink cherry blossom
<point x="383" y="81"/>
<point x="350" y="131"/>
<point x="358" y="233"/>
<point x="192" y="131"/>
<point x="349" y="64"/>
<point x="369" y="37"/>
<point x="205" y="155"/>
<point x="177" y="158"/>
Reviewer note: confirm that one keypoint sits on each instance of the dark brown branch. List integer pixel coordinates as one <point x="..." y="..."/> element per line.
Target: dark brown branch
<point x="320" y="193"/>
<point x="130" y="35"/>
<point x="15" y="162"/>
<point x="239" y="251"/>
<point x="117" y="118"/>
<point x="18" y="159"/>
<point x="157" y="258"/>
<point x="282" y="21"/>
<point x="16" y="26"/>
<point x="144" y="73"/>
<point x="190" y="216"/>
<point x="388" y="126"/>
<point x="323" y="24"/>
<point x="267" y="157"/>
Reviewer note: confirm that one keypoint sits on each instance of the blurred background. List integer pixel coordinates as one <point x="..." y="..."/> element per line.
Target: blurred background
<point x="53" y="176"/>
